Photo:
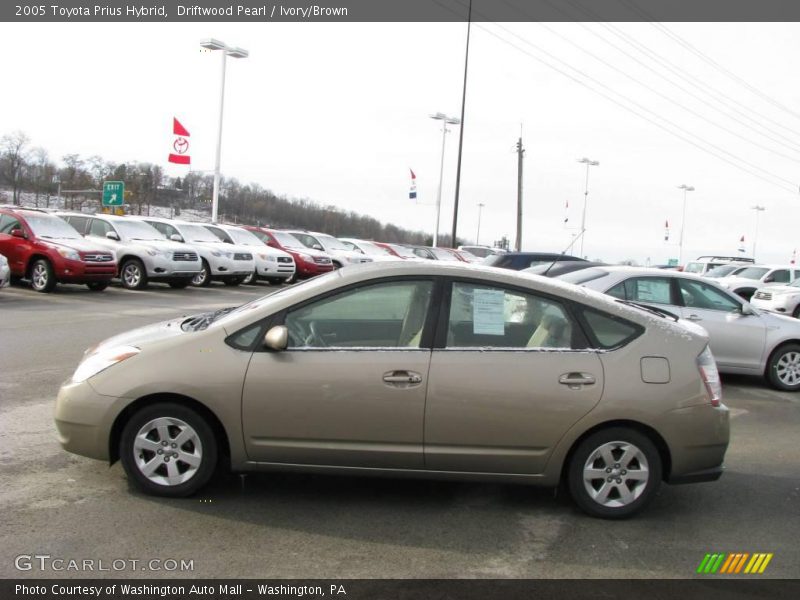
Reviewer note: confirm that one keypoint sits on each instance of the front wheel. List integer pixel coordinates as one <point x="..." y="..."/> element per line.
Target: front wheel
<point x="292" y="279"/>
<point x="783" y="369"/>
<point x="168" y="449"/>
<point x="43" y="279"/>
<point x="133" y="275"/>
<point x="203" y="277"/>
<point x="251" y="279"/>
<point x="614" y="473"/>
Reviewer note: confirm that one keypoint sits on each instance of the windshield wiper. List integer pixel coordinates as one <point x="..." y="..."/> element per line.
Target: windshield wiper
<point x="203" y="320"/>
<point x="657" y="311"/>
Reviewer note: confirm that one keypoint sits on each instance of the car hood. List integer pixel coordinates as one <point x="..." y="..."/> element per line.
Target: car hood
<point x="164" y="245"/>
<point x="79" y="244"/>
<point x="309" y="251"/>
<point x="144" y="335"/>
<point x="783" y="322"/>
<point x="781" y="289"/>
<point x="223" y="247"/>
<point x="736" y="281"/>
<point x="267" y="251"/>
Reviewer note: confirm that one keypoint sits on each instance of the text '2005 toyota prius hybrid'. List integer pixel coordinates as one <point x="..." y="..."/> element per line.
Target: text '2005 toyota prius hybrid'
<point x="410" y="368"/>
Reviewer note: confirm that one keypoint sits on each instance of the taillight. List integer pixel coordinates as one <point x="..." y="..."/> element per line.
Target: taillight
<point x="710" y="375"/>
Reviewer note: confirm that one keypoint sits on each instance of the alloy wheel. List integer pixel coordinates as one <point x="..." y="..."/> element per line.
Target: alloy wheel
<point x="131" y="275"/>
<point x="39" y="276"/>
<point x="788" y="368"/>
<point x="167" y="451"/>
<point x="616" y="474"/>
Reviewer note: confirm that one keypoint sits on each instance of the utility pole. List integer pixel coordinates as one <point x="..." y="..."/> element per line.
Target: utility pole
<point x="478" y="233"/>
<point x="758" y="209"/>
<point x="520" y="153"/>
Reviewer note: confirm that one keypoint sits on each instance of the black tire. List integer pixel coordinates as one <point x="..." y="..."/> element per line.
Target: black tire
<point x="276" y="280"/>
<point x="134" y="459"/>
<point x="796" y="312"/>
<point x="292" y="279"/>
<point x="337" y="264"/>
<point x="232" y="281"/>
<point x="42" y="276"/>
<point x="641" y="492"/>
<point x="97" y="286"/>
<point x="132" y="274"/>
<point x="251" y="279"/>
<point x="180" y="284"/>
<point x="783" y="368"/>
<point x="203" y="278"/>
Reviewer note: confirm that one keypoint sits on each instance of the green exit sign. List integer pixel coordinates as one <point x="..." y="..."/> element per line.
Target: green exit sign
<point x="113" y="193"/>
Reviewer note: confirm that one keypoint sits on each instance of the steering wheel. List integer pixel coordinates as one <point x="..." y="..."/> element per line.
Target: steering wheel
<point x="315" y="338"/>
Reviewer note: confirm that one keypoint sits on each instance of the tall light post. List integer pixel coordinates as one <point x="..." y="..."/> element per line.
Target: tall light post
<point x="478" y="233"/>
<point x="234" y="52"/>
<point x="685" y="188"/>
<point x="758" y="209"/>
<point x="588" y="163"/>
<point x="445" y="122"/>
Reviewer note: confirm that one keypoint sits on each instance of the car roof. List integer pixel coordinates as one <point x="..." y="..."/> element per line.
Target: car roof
<point x="646" y="271"/>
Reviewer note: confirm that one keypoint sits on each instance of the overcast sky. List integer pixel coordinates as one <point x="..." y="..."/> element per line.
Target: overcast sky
<point x="338" y="113"/>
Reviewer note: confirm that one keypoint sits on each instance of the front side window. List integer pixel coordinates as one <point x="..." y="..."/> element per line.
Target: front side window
<point x="781" y="276"/>
<point x="383" y="315"/>
<point x="99" y="228"/>
<point x="482" y="316"/>
<point x="8" y="224"/>
<point x="655" y="290"/>
<point x="697" y="294"/>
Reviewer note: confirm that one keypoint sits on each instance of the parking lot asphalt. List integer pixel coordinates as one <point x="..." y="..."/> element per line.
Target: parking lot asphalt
<point x="311" y="526"/>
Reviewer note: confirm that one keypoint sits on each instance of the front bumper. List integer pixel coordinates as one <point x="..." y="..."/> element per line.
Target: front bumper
<point x="310" y="269"/>
<point x="84" y="419"/>
<point x="75" y="271"/>
<point x="779" y="305"/>
<point x="159" y="267"/>
<point x="5" y="276"/>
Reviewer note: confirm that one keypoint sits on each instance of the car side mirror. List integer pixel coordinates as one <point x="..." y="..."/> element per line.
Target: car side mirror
<point x="769" y="279"/>
<point x="277" y="338"/>
<point x="112" y="235"/>
<point x="746" y="310"/>
<point x="19" y="233"/>
<point x="228" y="241"/>
<point x="176" y="237"/>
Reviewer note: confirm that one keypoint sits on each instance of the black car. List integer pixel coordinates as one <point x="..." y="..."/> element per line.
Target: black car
<point x="516" y="261"/>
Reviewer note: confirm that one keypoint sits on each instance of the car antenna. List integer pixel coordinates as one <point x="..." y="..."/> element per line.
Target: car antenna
<point x="563" y="252"/>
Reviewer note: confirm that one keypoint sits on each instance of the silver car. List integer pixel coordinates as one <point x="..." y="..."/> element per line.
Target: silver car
<point x="744" y="340"/>
<point x="410" y="368"/>
<point x="5" y="272"/>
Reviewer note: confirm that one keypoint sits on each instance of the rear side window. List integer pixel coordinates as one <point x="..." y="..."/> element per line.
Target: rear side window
<point x="609" y="332"/>
<point x="657" y="290"/>
<point x="78" y="223"/>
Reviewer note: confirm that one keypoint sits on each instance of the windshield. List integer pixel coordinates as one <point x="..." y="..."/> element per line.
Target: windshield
<point x="197" y="233"/>
<point x="309" y="241"/>
<point x="331" y="243"/>
<point x="244" y="237"/>
<point x="373" y="249"/>
<point x="137" y="230"/>
<point x="287" y="240"/>
<point x="403" y="251"/>
<point x="694" y="267"/>
<point x="752" y="272"/>
<point x="584" y="275"/>
<point x="47" y="226"/>
<point x="723" y="270"/>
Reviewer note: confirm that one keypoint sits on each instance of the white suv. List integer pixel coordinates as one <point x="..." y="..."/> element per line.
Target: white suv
<point x="748" y="280"/>
<point x="340" y="254"/>
<point x="276" y="266"/>
<point x="143" y="254"/>
<point x="229" y="263"/>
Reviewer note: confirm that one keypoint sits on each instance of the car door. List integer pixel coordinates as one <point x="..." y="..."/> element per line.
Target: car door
<point x="505" y="381"/>
<point x="350" y="388"/>
<point x="737" y="339"/>
<point x="15" y="249"/>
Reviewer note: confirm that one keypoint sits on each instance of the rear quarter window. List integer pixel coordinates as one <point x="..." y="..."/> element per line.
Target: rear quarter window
<point x="608" y="332"/>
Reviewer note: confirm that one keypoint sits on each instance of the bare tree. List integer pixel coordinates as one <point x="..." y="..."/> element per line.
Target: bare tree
<point x="13" y="160"/>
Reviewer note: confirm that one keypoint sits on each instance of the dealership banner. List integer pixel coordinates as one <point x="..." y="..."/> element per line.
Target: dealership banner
<point x="400" y="589"/>
<point x="252" y="11"/>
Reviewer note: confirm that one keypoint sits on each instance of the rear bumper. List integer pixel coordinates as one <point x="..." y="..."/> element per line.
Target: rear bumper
<point x="701" y="476"/>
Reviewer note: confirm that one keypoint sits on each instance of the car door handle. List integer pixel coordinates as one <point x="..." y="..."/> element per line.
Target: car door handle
<point x="694" y="318"/>
<point x="576" y="380"/>
<point x="402" y="377"/>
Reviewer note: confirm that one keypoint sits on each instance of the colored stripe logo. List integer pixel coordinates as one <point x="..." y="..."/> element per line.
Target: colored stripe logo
<point x="734" y="563"/>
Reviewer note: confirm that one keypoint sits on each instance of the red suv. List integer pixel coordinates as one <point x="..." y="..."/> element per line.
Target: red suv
<point x="308" y="262"/>
<point x="47" y="250"/>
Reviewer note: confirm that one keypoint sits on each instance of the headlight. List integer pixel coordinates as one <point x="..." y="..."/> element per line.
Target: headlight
<point x="153" y="252"/>
<point x="221" y="253"/>
<point x="267" y="257"/>
<point x="98" y="361"/>
<point x="69" y="254"/>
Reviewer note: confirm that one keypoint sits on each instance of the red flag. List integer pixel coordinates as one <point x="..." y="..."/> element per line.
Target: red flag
<point x="180" y="145"/>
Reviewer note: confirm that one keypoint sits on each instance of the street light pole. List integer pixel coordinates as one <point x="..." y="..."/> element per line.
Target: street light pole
<point x="445" y="122"/>
<point x="685" y="188"/>
<point x="478" y="234"/>
<point x="758" y="209"/>
<point x="588" y="163"/>
<point x="235" y="52"/>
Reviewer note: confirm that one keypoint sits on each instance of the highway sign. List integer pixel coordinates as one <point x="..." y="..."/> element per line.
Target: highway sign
<point x="113" y="193"/>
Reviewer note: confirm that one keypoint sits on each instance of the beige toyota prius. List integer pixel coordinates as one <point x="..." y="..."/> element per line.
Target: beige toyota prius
<point x="425" y="370"/>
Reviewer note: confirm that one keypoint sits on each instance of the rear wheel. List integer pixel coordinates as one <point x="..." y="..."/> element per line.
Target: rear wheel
<point x="132" y="274"/>
<point x="203" y="277"/>
<point x="97" y="286"/>
<point x="783" y="369"/>
<point x="168" y="449"/>
<point x="614" y="473"/>
<point x="43" y="279"/>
